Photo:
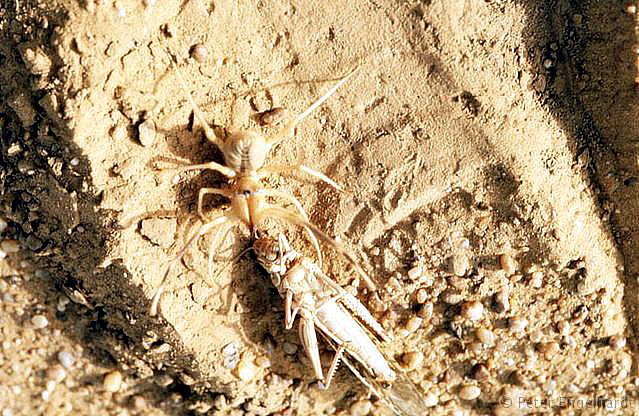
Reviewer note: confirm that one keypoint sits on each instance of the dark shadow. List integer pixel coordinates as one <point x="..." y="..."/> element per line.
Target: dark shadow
<point x="48" y="199"/>
<point x="582" y="55"/>
<point x="54" y="210"/>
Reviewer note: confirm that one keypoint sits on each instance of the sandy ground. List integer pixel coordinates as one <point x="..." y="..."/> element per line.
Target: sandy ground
<point x="491" y="144"/>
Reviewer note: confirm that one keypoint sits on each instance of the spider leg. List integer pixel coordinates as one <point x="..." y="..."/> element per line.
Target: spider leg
<point x="295" y="219"/>
<point x="291" y="169"/>
<point x="300" y="209"/>
<point x="199" y="115"/>
<point x="289" y="128"/>
<point x="204" y="228"/>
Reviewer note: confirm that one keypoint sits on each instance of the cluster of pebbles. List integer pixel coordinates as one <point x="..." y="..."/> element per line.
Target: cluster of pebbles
<point x="460" y="340"/>
<point x="36" y="360"/>
<point x="470" y="337"/>
<point x="486" y="334"/>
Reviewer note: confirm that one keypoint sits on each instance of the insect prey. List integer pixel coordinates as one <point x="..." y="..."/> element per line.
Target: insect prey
<point x="340" y="318"/>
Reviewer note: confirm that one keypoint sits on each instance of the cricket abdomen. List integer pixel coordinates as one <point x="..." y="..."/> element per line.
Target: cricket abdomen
<point x="348" y="332"/>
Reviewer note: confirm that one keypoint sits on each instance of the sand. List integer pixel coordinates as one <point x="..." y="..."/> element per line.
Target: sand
<point x="490" y="143"/>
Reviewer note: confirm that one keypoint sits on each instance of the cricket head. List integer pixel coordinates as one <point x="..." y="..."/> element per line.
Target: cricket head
<point x="275" y="256"/>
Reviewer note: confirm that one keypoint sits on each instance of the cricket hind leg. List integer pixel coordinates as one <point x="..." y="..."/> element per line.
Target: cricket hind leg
<point x="308" y="337"/>
<point x="333" y="368"/>
<point x="353" y="304"/>
<point x="295" y="219"/>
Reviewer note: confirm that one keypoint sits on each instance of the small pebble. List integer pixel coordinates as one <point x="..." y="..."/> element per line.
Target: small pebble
<point x="66" y="358"/>
<point x="431" y="399"/>
<point x="56" y="373"/>
<point x="138" y="403"/>
<point x="42" y="274"/>
<point x="507" y="263"/>
<point x="220" y="402"/>
<point x="163" y="380"/>
<point x="413" y="324"/>
<point x="537" y="279"/>
<point x="631" y="8"/>
<point x="199" y="52"/>
<point x="563" y="328"/>
<point x="361" y="408"/>
<point x="486" y="336"/>
<point x="617" y="342"/>
<point x="502" y="301"/>
<point x="425" y="311"/>
<point x="472" y="310"/>
<point x="10" y="246"/>
<point x="74" y="162"/>
<point x="475" y="347"/>
<point x="415" y="273"/>
<point x="461" y="264"/>
<point x="469" y="392"/>
<point x="289" y="348"/>
<point x="246" y="370"/>
<point x="451" y="297"/>
<point x="480" y="372"/>
<point x="413" y="359"/>
<point x="548" y="349"/>
<point x="63" y="301"/>
<point x="263" y="362"/>
<point x="421" y="295"/>
<point x="40" y="321"/>
<point x="3" y="225"/>
<point x="517" y="324"/>
<point x="269" y="343"/>
<point x="146" y="132"/>
<point x="112" y="381"/>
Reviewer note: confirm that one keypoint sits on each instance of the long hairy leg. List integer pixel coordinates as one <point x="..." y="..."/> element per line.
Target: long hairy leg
<point x="224" y="170"/>
<point x="289" y="128"/>
<point x="199" y="115"/>
<point x="291" y="169"/>
<point x="214" y="245"/>
<point x="290" y="217"/>
<point x="300" y="209"/>
<point x="204" y="228"/>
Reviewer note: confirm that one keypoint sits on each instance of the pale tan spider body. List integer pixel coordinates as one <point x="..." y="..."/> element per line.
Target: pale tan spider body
<point x="245" y="153"/>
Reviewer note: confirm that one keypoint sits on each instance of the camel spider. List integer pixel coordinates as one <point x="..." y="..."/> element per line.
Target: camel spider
<point x="245" y="153"/>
